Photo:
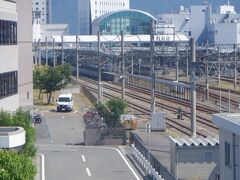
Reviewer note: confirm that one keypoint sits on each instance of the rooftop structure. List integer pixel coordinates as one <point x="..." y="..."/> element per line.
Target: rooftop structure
<point x="193" y="158"/>
<point x="130" y="21"/>
<point x="216" y="28"/>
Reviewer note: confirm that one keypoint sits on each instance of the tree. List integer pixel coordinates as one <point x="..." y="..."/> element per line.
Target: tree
<point x="112" y="111"/>
<point x="49" y="79"/>
<point x="16" y="166"/>
<point x="21" y="119"/>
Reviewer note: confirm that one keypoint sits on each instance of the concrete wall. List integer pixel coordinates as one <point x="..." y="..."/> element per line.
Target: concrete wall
<point x="226" y="33"/>
<point x="190" y="163"/>
<point x="9" y="103"/>
<point x="8" y="54"/>
<point x="25" y="53"/>
<point x="226" y="172"/>
<point x="192" y="24"/>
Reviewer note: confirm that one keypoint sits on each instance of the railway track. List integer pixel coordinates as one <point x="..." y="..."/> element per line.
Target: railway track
<point x="170" y="122"/>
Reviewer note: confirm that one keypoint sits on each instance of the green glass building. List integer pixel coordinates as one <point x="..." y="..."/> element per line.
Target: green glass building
<point x="131" y="22"/>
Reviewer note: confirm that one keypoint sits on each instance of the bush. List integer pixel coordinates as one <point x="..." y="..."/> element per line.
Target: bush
<point x="16" y="166"/>
<point x="112" y="111"/>
<point x="21" y="119"/>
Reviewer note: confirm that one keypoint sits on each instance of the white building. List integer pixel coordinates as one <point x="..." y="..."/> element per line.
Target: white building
<point x="16" y="54"/>
<point x="42" y="10"/>
<point x="204" y="26"/>
<point x="229" y="138"/>
<point x="41" y="31"/>
<point x="92" y="9"/>
<point x="9" y="56"/>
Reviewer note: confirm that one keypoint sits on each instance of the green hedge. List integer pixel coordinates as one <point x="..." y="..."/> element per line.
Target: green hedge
<point x="14" y="166"/>
<point x="21" y="119"/>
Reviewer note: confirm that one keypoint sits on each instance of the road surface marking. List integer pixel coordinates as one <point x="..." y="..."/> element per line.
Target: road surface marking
<point x="127" y="163"/>
<point x="83" y="158"/>
<point x="63" y="117"/>
<point x="42" y="168"/>
<point x="88" y="172"/>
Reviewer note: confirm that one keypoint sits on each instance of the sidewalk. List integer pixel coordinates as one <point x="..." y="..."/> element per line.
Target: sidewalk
<point x="159" y="143"/>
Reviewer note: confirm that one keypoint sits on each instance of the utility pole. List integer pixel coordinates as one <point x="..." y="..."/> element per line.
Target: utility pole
<point x="187" y="61"/>
<point x="54" y="55"/>
<point x="77" y="60"/>
<point x="132" y="59"/>
<point x="177" y="61"/>
<point x="193" y="89"/>
<point x="235" y="67"/>
<point x="39" y="52"/>
<point x="219" y="65"/>
<point x="229" y="101"/>
<point x="152" y="61"/>
<point x="206" y="73"/>
<point x="122" y="65"/>
<point x="46" y="45"/>
<point x="100" y="88"/>
<point x="62" y="50"/>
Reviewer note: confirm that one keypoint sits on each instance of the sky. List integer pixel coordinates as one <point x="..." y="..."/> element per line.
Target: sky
<point x="65" y="11"/>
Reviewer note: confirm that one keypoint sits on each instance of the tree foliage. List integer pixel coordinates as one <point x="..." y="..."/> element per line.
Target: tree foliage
<point x="49" y="79"/>
<point x="21" y="119"/>
<point x="16" y="166"/>
<point x="112" y="111"/>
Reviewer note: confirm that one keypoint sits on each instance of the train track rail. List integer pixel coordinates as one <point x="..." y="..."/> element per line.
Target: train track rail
<point x="172" y="123"/>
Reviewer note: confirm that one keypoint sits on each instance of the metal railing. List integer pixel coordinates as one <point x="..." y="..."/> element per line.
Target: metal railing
<point x="154" y="162"/>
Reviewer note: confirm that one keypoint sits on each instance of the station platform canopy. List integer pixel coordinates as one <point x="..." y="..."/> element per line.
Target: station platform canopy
<point x="177" y="37"/>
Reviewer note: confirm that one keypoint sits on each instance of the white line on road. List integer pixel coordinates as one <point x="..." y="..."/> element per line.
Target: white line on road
<point x="42" y="168"/>
<point x="127" y="163"/>
<point x="63" y="117"/>
<point x="83" y="158"/>
<point x="88" y="172"/>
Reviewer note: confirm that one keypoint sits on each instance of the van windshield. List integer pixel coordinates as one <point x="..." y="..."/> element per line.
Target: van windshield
<point x="63" y="99"/>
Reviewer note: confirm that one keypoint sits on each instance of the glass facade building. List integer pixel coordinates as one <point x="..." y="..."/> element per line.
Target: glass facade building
<point x="131" y="22"/>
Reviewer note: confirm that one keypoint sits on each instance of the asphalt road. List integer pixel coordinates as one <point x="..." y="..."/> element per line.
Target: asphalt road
<point x="58" y="138"/>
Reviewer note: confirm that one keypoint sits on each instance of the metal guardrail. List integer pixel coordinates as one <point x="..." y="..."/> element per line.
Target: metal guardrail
<point x="143" y="161"/>
<point x="153" y="161"/>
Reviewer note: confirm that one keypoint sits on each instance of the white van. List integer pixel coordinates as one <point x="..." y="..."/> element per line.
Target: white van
<point x="65" y="102"/>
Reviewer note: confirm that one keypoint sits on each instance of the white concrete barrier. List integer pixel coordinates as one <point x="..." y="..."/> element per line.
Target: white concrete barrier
<point x="12" y="137"/>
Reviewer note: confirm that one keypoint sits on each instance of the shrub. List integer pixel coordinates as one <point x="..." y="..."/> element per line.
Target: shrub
<point x="21" y="119"/>
<point x="16" y="166"/>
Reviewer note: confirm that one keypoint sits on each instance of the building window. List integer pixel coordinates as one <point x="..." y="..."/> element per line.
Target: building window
<point x="8" y="32"/>
<point x="189" y="33"/>
<point x="227" y="154"/>
<point x="8" y="84"/>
